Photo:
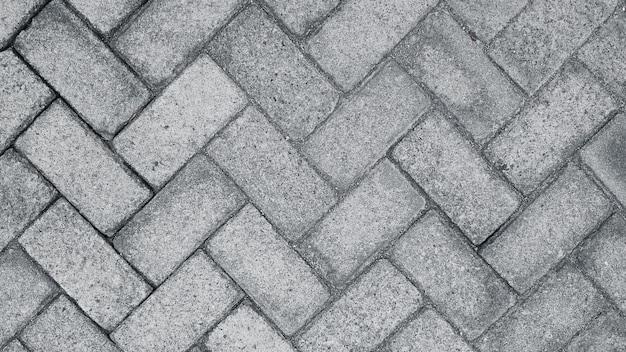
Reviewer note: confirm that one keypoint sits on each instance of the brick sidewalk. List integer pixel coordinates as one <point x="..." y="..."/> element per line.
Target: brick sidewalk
<point x="312" y="175"/>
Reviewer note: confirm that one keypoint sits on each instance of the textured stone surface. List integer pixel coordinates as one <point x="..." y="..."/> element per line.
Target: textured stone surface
<point x="14" y="346"/>
<point x="301" y="15"/>
<point x="487" y="17"/>
<point x="606" y="333"/>
<point x="14" y="14"/>
<point x="105" y="15"/>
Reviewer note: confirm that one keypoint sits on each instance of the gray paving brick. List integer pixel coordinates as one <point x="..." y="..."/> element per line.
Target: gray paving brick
<point x="371" y="216"/>
<point x="82" y="168"/>
<point x="301" y="16"/>
<point x="23" y="290"/>
<point x="456" y="177"/>
<point x="180" y="121"/>
<point x="268" y="269"/>
<point x="178" y="219"/>
<point x="62" y="327"/>
<point x="487" y="17"/>
<point x="180" y="311"/>
<point x="14" y="15"/>
<point x="271" y="172"/>
<point x="539" y="40"/>
<point x="550" y="127"/>
<point x="84" y="265"/>
<point x="337" y="147"/>
<point x="356" y="37"/>
<point x="548" y="319"/>
<point x="14" y="346"/>
<point x="82" y="69"/>
<point x="548" y="229"/>
<point x="439" y="53"/>
<point x="22" y="96"/>
<point x="606" y="333"/>
<point x="105" y="15"/>
<point x="159" y="40"/>
<point x="366" y="313"/>
<point x="245" y="330"/>
<point x="24" y="195"/>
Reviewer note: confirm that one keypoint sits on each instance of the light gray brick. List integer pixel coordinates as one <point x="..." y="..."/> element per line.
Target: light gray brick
<point x="82" y="168"/>
<point x="14" y="14"/>
<point x="548" y="229"/>
<point x="271" y="68"/>
<point x="548" y="319"/>
<point x="22" y="96"/>
<point x="105" y="15"/>
<point x="180" y="311"/>
<point x="82" y="69"/>
<point x="550" y="127"/>
<point x="487" y="17"/>
<point x="464" y="287"/>
<point x="356" y="37"/>
<point x="337" y="147"/>
<point x="84" y="265"/>
<point x="178" y="219"/>
<point x="371" y="216"/>
<point x="24" y="194"/>
<point x="456" y="177"/>
<point x="439" y="53"/>
<point x="606" y="333"/>
<point x="62" y="327"/>
<point x="301" y="15"/>
<point x="538" y="41"/>
<point x="245" y="330"/>
<point x="180" y="121"/>
<point x="271" y="172"/>
<point x="23" y="290"/>
<point x="14" y="346"/>
<point x="158" y="42"/>
<point x="268" y="269"/>
<point x="368" y="311"/>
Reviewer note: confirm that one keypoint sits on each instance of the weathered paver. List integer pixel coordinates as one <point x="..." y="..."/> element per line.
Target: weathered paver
<point x="551" y="127"/>
<point x="357" y="36"/>
<point x="22" y="96"/>
<point x="268" y="269"/>
<point x="337" y="147"/>
<point x="14" y="346"/>
<point x="23" y="193"/>
<point x="271" y="172"/>
<point x="548" y="319"/>
<point x="158" y="42"/>
<point x="180" y="311"/>
<point x="84" y="265"/>
<point x="539" y="40"/>
<point x="302" y="15"/>
<point x="62" y="327"/>
<point x="371" y="216"/>
<point x="368" y="311"/>
<point x="271" y="68"/>
<point x="14" y="14"/>
<point x="105" y="15"/>
<point x="487" y="17"/>
<point x="180" y="121"/>
<point x="453" y="173"/>
<point x="548" y="229"/>
<point x="82" y="69"/>
<point x="245" y="330"/>
<point x="464" y="287"/>
<point x="439" y="53"/>
<point x="82" y="167"/>
<point x="178" y="219"/>
<point x="606" y="333"/>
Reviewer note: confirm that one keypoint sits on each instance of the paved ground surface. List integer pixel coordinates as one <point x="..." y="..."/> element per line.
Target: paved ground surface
<point x="312" y="175"/>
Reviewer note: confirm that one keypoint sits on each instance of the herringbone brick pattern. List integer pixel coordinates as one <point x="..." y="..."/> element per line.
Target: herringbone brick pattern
<point x="312" y="175"/>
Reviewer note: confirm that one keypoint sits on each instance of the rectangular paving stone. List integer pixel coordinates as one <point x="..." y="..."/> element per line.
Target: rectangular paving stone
<point x="338" y="147"/>
<point x="62" y="327"/>
<point x="271" y="68"/>
<point x="84" y="265"/>
<point x="302" y="15"/>
<point x="24" y="194"/>
<point x="82" y="168"/>
<point x="548" y="130"/>
<point x="454" y="174"/>
<point x="548" y="229"/>
<point x="487" y="17"/>
<point x="538" y="41"/>
<point x="271" y="172"/>
<point x="14" y="14"/>
<point x="160" y="39"/>
<point x="439" y="53"/>
<point x="178" y="219"/>
<point x="105" y="15"/>
<point x="181" y="310"/>
<point x="367" y="312"/>
<point x="22" y="96"/>
<point x="180" y="121"/>
<point x="548" y="319"/>
<point x="82" y="69"/>
<point x="14" y="346"/>
<point x="268" y="269"/>
<point x="371" y="216"/>
<point x="606" y="333"/>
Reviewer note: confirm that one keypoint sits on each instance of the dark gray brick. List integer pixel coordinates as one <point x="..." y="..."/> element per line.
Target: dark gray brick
<point x="301" y="15"/>
<point x="606" y="334"/>
<point x="14" y="14"/>
<point x="105" y="15"/>
<point x="487" y="17"/>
